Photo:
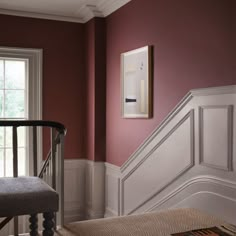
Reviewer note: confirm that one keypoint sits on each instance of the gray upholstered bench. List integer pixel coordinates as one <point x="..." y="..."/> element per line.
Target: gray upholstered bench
<point x="29" y="196"/>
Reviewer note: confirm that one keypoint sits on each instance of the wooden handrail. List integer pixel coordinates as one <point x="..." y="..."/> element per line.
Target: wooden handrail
<point x="52" y="124"/>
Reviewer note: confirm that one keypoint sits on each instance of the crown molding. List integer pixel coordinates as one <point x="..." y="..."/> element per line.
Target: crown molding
<point x="83" y="14"/>
<point x="108" y="7"/>
<point x="89" y="11"/>
<point x="41" y="16"/>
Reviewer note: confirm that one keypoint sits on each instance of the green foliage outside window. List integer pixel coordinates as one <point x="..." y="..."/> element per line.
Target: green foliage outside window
<point x="12" y="105"/>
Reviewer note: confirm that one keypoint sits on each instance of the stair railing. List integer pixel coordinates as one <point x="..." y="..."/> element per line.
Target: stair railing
<point x="52" y="170"/>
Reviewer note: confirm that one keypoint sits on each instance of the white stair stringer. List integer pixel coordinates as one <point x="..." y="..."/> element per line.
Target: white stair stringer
<point x="188" y="161"/>
<point x="207" y="193"/>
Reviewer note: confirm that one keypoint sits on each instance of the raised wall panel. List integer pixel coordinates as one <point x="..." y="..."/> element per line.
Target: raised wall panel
<point x="216" y="127"/>
<point x="188" y="161"/>
<point x="210" y="194"/>
<point x="95" y="189"/>
<point x="112" y="190"/>
<point x="212" y="203"/>
<point x="88" y="188"/>
<point x="74" y="190"/>
<point x="169" y="159"/>
<point x="84" y="190"/>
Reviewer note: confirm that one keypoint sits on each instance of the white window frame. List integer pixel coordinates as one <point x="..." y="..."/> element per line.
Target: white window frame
<point x="34" y="57"/>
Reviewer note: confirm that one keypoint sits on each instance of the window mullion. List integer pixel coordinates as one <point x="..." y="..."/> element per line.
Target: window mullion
<point x="4" y="129"/>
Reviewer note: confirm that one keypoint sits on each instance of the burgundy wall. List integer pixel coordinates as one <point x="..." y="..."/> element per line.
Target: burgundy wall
<point x="192" y="45"/>
<point x="96" y="89"/>
<point x="63" y="70"/>
<point x="100" y="92"/>
<point x="90" y="89"/>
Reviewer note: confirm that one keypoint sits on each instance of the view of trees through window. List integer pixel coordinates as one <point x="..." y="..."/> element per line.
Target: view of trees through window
<point x="13" y="105"/>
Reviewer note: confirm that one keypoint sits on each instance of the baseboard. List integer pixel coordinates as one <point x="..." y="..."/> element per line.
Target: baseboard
<point x="74" y="214"/>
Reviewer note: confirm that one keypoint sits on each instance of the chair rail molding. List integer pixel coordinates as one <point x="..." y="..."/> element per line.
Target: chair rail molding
<point x="192" y="150"/>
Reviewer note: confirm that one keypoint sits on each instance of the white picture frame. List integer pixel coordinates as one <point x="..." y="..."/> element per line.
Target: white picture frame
<point x="136" y="87"/>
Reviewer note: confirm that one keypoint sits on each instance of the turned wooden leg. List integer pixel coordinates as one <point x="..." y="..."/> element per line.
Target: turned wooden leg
<point x="33" y="225"/>
<point x="48" y="224"/>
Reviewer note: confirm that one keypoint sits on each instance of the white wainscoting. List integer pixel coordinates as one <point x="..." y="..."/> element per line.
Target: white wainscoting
<point x="84" y="189"/>
<point x="84" y="193"/>
<point x="112" y="190"/>
<point x="95" y="189"/>
<point x="75" y="170"/>
<point x="188" y="161"/>
<point x="221" y="155"/>
<point x="156" y="164"/>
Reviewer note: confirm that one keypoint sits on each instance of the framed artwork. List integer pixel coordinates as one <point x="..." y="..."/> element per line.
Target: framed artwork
<point x="136" y="90"/>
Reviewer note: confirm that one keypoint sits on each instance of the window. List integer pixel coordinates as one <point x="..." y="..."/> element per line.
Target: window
<point x="13" y="105"/>
<point x="20" y="98"/>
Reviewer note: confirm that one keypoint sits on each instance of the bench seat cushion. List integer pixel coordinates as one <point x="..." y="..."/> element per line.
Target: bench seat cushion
<point x="26" y="195"/>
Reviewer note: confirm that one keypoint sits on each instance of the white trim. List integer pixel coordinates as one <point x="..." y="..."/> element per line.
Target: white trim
<point x="34" y="57"/>
<point x="108" y="7"/>
<point x="84" y="189"/>
<point x="75" y="163"/>
<point x="113" y="169"/>
<point x="163" y="124"/>
<point x="95" y="163"/>
<point x="34" y="97"/>
<point x="41" y="16"/>
<point x="184" y="169"/>
<point x="110" y="213"/>
<point x="196" y="179"/>
<point x="188" y="115"/>
<point x="229" y="112"/>
<point x="112" y="190"/>
<point x="95" y="189"/>
<point x="199" y="179"/>
<point x="230" y="89"/>
<point x="121" y="198"/>
<point x="103" y="9"/>
<point x="74" y="189"/>
<point x="186" y="99"/>
<point x="73" y="213"/>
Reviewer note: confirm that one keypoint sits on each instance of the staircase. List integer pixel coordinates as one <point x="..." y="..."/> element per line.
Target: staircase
<point x="52" y="169"/>
<point x="188" y="161"/>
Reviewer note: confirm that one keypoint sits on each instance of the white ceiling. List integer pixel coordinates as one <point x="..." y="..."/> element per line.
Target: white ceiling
<point x="65" y="10"/>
